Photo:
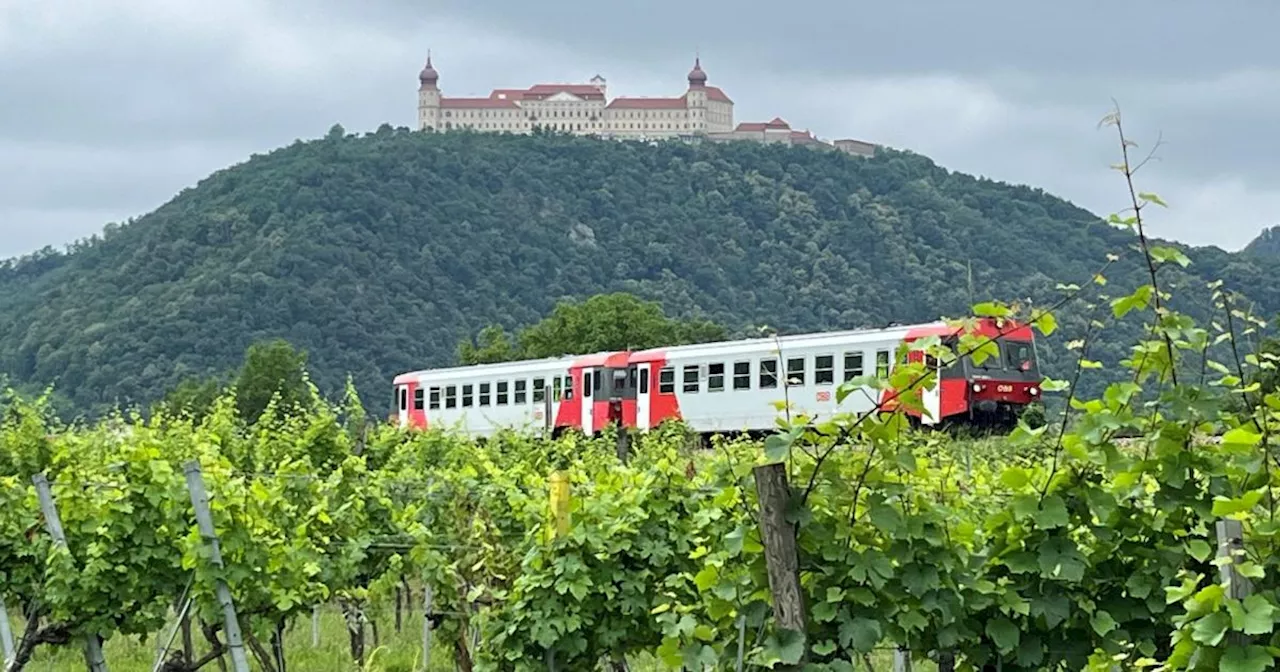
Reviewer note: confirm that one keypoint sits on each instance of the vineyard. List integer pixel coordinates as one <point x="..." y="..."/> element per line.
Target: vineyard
<point x="1135" y="530"/>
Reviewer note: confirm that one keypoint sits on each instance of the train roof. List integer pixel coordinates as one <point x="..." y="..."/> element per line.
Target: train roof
<point x="746" y="346"/>
<point x="524" y="366"/>
<point x="769" y="343"/>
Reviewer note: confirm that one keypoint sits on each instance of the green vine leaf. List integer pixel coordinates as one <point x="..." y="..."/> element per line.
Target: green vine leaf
<point x="1252" y="658"/>
<point x="1003" y="633"/>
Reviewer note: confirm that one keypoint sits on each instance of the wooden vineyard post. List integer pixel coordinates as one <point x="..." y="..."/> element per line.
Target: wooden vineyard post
<point x="1230" y="534"/>
<point x="92" y="645"/>
<point x="779" y="538"/>
<point x="204" y="519"/>
<point x="624" y="444"/>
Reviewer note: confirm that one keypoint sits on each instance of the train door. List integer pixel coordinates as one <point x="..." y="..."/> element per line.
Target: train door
<point x="932" y="397"/>
<point x="587" y="400"/>
<point x="642" y="398"/>
<point x="402" y="405"/>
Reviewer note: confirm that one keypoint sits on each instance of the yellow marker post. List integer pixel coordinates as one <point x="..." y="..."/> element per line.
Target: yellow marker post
<point x="560" y="501"/>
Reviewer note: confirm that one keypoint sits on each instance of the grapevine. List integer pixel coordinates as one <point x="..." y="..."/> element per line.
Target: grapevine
<point x="1086" y="542"/>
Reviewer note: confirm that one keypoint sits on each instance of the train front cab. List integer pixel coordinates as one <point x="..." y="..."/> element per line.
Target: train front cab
<point x="998" y="389"/>
<point x="993" y="393"/>
<point x="1001" y="387"/>
<point x="607" y="392"/>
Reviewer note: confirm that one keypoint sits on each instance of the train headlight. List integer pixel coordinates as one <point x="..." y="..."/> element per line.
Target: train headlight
<point x="977" y="387"/>
<point x="1033" y="390"/>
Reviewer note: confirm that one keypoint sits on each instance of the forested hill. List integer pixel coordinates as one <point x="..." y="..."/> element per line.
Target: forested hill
<point x="377" y="254"/>
<point x="1266" y="245"/>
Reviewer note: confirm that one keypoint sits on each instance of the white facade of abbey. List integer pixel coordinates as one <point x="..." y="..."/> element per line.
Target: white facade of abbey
<point x="703" y="111"/>
<point x="577" y="108"/>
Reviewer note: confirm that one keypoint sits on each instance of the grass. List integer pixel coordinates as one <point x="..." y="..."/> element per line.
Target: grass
<point x="396" y="651"/>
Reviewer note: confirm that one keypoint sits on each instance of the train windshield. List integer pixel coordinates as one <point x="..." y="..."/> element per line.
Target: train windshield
<point x="1020" y="356"/>
<point x="987" y="360"/>
<point x="618" y="384"/>
<point x="1010" y="359"/>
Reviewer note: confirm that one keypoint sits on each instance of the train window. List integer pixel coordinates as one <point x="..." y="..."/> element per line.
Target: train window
<point x="484" y="393"/>
<point x="595" y="382"/>
<point x="522" y="394"/>
<point x="852" y="365"/>
<point x="451" y="396"/>
<point x="742" y="375"/>
<point x="882" y="363"/>
<point x="418" y="399"/>
<point x="644" y="382"/>
<point x="539" y="390"/>
<point x="795" y="371"/>
<point x="824" y="369"/>
<point x="502" y="393"/>
<point x="691" y="383"/>
<point x="404" y="398"/>
<point x="667" y="380"/>
<point x="434" y="398"/>
<point x="557" y="388"/>
<point x="715" y="377"/>
<point x="568" y="387"/>
<point x="586" y="384"/>
<point x="468" y="395"/>
<point x="1019" y="355"/>
<point x="768" y="374"/>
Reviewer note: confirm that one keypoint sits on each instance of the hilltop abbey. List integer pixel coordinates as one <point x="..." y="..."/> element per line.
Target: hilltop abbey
<point x="702" y="112"/>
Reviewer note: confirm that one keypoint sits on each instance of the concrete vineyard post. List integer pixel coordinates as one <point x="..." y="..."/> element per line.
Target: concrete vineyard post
<point x="6" y="635"/>
<point x="204" y="519"/>
<point x="92" y="645"/>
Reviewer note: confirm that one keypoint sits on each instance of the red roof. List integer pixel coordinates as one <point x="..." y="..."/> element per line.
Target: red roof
<point x="513" y="94"/>
<point x="541" y="91"/>
<point x="487" y="103"/>
<point x="775" y="124"/>
<point x="588" y="91"/>
<point x="714" y="93"/>
<point x="647" y="104"/>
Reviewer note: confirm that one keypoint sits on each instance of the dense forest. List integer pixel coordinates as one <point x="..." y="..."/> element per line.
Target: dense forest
<point x="378" y="254"/>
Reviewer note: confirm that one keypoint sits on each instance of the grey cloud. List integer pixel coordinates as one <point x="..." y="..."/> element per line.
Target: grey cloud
<point x="1137" y="36"/>
<point x="125" y="103"/>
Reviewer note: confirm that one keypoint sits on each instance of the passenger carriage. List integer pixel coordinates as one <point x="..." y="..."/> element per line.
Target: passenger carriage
<point x="725" y="386"/>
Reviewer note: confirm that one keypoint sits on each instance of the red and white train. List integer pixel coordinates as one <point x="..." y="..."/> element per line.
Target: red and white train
<point x="718" y="387"/>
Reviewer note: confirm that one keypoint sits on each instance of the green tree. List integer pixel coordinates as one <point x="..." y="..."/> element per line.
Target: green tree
<point x="491" y="345"/>
<point x="194" y="396"/>
<point x="617" y="321"/>
<point x="270" y="368"/>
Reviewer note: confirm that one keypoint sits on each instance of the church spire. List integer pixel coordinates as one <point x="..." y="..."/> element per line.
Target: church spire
<point x="428" y="76"/>
<point x="697" y="77"/>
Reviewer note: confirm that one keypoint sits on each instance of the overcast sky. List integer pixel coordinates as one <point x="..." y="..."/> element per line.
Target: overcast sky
<point x="110" y="107"/>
